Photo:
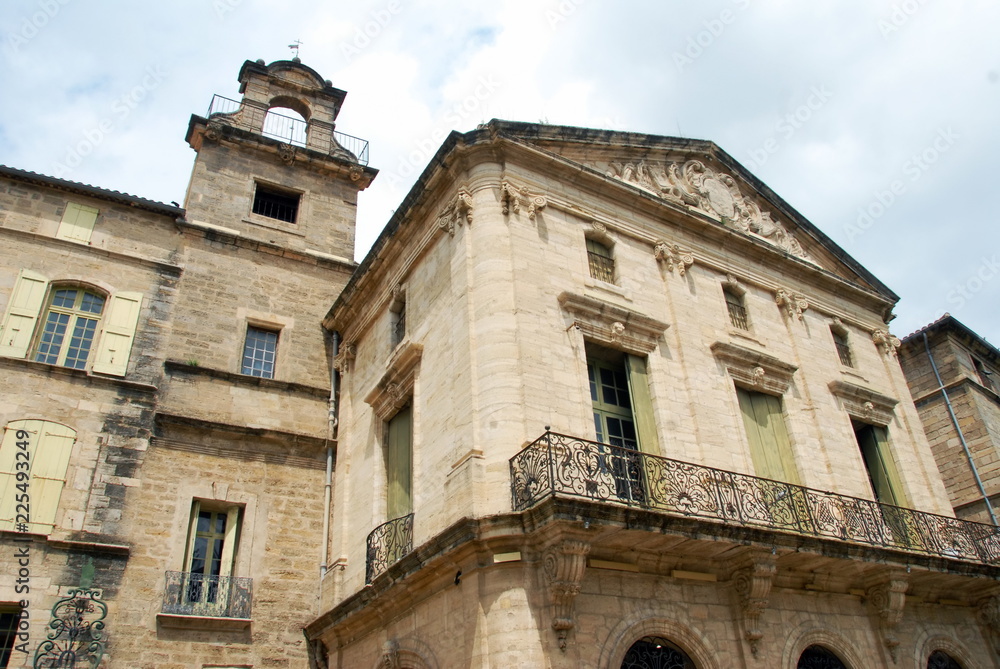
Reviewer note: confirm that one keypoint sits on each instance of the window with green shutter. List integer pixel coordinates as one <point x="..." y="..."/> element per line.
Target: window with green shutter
<point x="770" y="448"/>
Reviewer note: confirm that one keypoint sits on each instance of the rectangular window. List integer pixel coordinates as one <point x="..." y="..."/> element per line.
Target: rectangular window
<point x="77" y="222"/>
<point x="874" y="443"/>
<point x="274" y="203"/>
<point x="69" y="327"/>
<point x="398" y="323"/>
<point x="737" y="310"/>
<point x="770" y="448"/>
<point x="10" y="615"/>
<point x="601" y="262"/>
<point x="399" y="463"/>
<point x="259" y="352"/>
<point x="213" y="533"/>
<point x="843" y="348"/>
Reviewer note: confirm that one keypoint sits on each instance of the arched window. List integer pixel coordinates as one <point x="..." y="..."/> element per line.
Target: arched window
<point x="942" y="660"/>
<point x="285" y="124"/>
<point x="71" y="320"/>
<point x="654" y="652"/>
<point x="817" y="657"/>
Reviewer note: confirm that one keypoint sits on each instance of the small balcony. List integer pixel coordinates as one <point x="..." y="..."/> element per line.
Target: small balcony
<point x="249" y="116"/>
<point x="387" y="543"/>
<point x="561" y="465"/>
<point x="187" y="595"/>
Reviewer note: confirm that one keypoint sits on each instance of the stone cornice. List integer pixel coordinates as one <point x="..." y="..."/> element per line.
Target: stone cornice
<point x="864" y="403"/>
<point x="755" y="369"/>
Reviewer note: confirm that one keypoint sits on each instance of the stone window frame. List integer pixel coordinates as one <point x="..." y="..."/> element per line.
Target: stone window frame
<point x="731" y="286"/>
<point x="753" y="369"/>
<point x="864" y="404"/>
<point x="611" y="325"/>
<point x="268" y="328"/>
<point x="598" y="234"/>
<point x="842" y="343"/>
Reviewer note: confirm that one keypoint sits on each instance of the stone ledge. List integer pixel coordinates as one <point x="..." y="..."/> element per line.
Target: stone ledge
<point x="186" y="622"/>
<point x="179" y="367"/>
<point x="43" y="368"/>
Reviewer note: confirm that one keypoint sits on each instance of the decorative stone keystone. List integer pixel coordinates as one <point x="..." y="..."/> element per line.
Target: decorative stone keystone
<point x="563" y="566"/>
<point x="886" y="594"/>
<point x="752" y="583"/>
<point x="390" y="655"/>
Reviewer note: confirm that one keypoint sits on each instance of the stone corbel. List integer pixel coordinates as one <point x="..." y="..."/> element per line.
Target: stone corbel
<point x="793" y="303"/>
<point x="886" y="342"/>
<point x="752" y="583"/>
<point x="348" y="351"/>
<point x="673" y="257"/>
<point x="886" y="594"/>
<point x="512" y="198"/>
<point x="458" y="212"/>
<point x="563" y="566"/>
<point x="287" y="153"/>
<point x="988" y="612"/>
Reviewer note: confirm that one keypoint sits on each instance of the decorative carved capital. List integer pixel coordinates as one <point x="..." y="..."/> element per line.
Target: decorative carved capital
<point x="753" y="588"/>
<point x="563" y="566"/>
<point x="887" y="343"/>
<point x="886" y="595"/>
<point x="512" y="198"/>
<point x="673" y="257"/>
<point x="793" y="304"/>
<point x="458" y="212"/>
<point x="348" y="351"/>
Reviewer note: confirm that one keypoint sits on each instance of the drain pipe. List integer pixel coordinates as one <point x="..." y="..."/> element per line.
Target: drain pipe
<point x="961" y="437"/>
<point x="331" y="434"/>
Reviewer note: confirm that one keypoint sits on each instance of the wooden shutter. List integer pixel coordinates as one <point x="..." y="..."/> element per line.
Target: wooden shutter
<point x="642" y="405"/>
<point x="229" y="543"/>
<point x="874" y="443"/>
<point x="192" y="533"/>
<point x="49" y="448"/>
<point x="22" y="313"/>
<point x="119" y="331"/>
<point x="770" y="448"/>
<point x="398" y="465"/>
<point x="77" y="223"/>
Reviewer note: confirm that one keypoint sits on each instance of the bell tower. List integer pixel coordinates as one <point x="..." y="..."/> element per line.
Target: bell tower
<point x="272" y="166"/>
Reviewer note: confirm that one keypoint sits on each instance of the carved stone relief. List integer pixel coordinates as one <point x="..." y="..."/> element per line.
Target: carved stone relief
<point x="563" y="566"/>
<point x="457" y="212"/>
<point x="345" y="357"/>
<point x="886" y="596"/>
<point x="887" y="343"/>
<point x="752" y="583"/>
<point x="793" y="303"/>
<point x="673" y="257"/>
<point x="717" y="194"/>
<point x="513" y="198"/>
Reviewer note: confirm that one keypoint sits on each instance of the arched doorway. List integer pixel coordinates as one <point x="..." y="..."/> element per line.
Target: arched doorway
<point x="942" y="660"/>
<point x="654" y="652"/>
<point x="818" y="657"/>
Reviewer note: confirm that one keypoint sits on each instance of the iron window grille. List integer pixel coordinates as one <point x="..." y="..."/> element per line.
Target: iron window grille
<point x="276" y="204"/>
<point x="843" y="350"/>
<point x="737" y="312"/>
<point x="602" y="264"/>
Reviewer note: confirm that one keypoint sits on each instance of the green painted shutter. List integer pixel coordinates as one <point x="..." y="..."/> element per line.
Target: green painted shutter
<point x="770" y="448"/>
<point x="229" y="543"/>
<point x="49" y="448"/>
<point x="192" y="533"/>
<point x="642" y="405"/>
<point x="874" y="443"/>
<point x="77" y="223"/>
<point x="22" y="313"/>
<point x="398" y="465"/>
<point x="118" y="333"/>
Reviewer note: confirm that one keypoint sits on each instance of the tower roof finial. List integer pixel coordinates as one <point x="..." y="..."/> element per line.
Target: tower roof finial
<point x="294" y="46"/>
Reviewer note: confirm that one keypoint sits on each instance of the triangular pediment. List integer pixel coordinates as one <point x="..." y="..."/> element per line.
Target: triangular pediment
<point x="698" y="177"/>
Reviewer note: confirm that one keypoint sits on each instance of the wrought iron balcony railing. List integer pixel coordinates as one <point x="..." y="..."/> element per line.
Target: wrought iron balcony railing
<point x="189" y="594"/>
<point x="285" y="128"/>
<point x="387" y="543"/>
<point x="557" y="464"/>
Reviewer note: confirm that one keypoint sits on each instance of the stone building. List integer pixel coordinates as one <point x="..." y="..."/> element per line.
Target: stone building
<point x="954" y="375"/>
<point x="592" y="399"/>
<point x="167" y="372"/>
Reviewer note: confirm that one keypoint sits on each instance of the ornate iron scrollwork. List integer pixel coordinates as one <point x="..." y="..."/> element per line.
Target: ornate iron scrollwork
<point x="76" y="632"/>
<point x="387" y="543"/>
<point x="654" y="652"/>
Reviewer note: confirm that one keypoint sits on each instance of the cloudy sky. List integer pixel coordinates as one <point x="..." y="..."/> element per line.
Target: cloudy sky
<point x="876" y="119"/>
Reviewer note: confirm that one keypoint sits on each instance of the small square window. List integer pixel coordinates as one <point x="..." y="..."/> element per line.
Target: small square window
<point x="274" y="203"/>
<point x="259" y="351"/>
<point x="601" y="262"/>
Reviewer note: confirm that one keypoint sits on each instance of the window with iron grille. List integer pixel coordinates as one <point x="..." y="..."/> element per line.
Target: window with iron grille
<point x="398" y="323"/>
<point x="10" y="616"/>
<point x="737" y="310"/>
<point x="276" y="204"/>
<point x="843" y="348"/>
<point x="259" y="352"/>
<point x="602" y="264"/>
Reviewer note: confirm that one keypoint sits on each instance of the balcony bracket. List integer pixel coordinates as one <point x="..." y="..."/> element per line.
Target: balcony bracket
<point x="752" y="582"/>
<point x="563" y="566"/>
<point x="988" y="610"/>
<point x="886" y="593"/>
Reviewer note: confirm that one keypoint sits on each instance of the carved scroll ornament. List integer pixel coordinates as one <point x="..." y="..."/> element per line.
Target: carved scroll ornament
<point x="563" y="566"/>
<point x="458" y="212"/>
<point x="673" y="257"/>
<point x="753" y="587"/>
<point x="513" y="198"/>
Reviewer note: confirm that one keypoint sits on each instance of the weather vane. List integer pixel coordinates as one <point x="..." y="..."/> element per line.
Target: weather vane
<point x="294" y="46"/>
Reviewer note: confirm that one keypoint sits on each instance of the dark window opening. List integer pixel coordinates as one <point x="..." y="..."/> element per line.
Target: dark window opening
<point x="10" y="616"/>
<point x="817" y="657"/>
<point x="737" y="310"/>
<point x="655" y="652"/>
<point x="276" y="204"/>
<point x="843" y="348"/>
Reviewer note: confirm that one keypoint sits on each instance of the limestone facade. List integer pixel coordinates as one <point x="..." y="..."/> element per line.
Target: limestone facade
<point x="969" y="370"/>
